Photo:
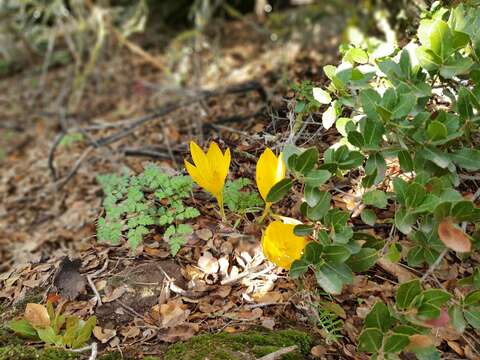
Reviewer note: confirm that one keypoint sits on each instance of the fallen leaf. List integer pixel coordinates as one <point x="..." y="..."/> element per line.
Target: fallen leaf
<point x="318" y="351"/>
<point x="37" y="315"/>
<point x="115" y="294"/>
<point x="103" y="334"/>
<point x="453" y="237"/>
<point x="179" y="333"/>
<point x="173" y="313"/>
<point x="419" y="341"/>
<point x="456" y="347"/>
<point x="204" y="234"/>
<point x="208" y="264"/>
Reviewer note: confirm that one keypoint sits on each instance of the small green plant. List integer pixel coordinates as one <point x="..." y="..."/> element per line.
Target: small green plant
<point x="53" y="327"/>
<point x="238" y="199"/>
<point x="136" y="203"/>
<point x="69" y="139"/>
<point x="329" y="321"/>
<point x="406" y="326"/>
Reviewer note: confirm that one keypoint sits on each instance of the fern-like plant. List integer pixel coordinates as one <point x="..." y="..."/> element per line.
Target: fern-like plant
<point x="134" y="204"/>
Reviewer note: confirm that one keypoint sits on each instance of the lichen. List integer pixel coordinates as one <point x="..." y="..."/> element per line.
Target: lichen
<point x="240" y="346"/>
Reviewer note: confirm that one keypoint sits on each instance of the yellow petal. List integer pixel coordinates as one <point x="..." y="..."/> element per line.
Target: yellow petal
<point x="269" y="171"/>
<point x="218" y="162"/>
<point x="198" y="177"/>
<point x="200" y="159"/>
<point x="280" y="245"/>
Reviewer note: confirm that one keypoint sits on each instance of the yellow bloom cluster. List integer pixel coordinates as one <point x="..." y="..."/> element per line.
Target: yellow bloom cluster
<point x="279" y="243"/>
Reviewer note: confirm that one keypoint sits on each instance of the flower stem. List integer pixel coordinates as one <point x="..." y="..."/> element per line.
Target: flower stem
<point x="265" y="212"/>
<point x="222" y="208"/>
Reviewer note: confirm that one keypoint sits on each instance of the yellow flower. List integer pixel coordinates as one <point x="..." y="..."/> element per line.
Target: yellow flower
<point x="210" y="170"/>
<point x="270" y="170"/>
<point x="280" y="245"/>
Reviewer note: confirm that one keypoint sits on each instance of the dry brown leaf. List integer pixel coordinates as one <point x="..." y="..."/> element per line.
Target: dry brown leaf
<point x="453" y="237"/>
<point x="103" y="334"/>
<point x="318" y="351"/>
<point x="456" y="347"/>
<point x="419" y="341"/>
<point x="179" y="333"/>
<point x="115" y="294"/>
<point x="173" y="313"/>
<point x="270" y="297"/>
<point x="37" y="315"/>
<point x="204" y="234"/>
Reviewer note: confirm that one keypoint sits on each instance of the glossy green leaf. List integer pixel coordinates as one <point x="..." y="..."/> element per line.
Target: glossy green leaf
<point x="336" y="253"/>
<point x="279" y="190"/>
<point x="317" y="177"/>
<point x="318" y="211"/>
<point x="396" y="343"/>
<point x="379" y="318"/>
<point x="363" y="260"/>
<point x="406" y="293"/>
<point x="368" y="216"/>
<point x="457" y="319"/>
<point x="370" y="340"/>
<point x="375" y="198"/>
<point x="303" y="230"/>
<point x="306" y="161"/>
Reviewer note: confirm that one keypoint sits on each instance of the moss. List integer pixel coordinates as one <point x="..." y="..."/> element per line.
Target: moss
<point x="241" y="346"/>
<point x="19" y="352"/>
<point x="8" y="338"/>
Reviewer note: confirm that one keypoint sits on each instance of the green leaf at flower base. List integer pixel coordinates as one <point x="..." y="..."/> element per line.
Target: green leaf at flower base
<point x="313" y="252"/>
<point x="368" y="216"/>
<point x="23" y="328"/>
<point x="303" y="230"/>
<point x="363" y="260"/>
<point x="428" y="311"/>
<point x="370" y="340"/>
<point x="379" y="318"/>
<point x="336" y="253"/>
<point x="306" y="161"/>
<point x="396" y="343"/>
<point x="323" y="205"/>
<point x="466" y="158"/>
<point x="375" y="198"/>
<point x="406" y="293"/>
<point x="457" y="319"/>
<point x="317" y="177"/>
<point x="298" y="268"/>
<point x="279" y="190"/>
<point x="472" y="315"/>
